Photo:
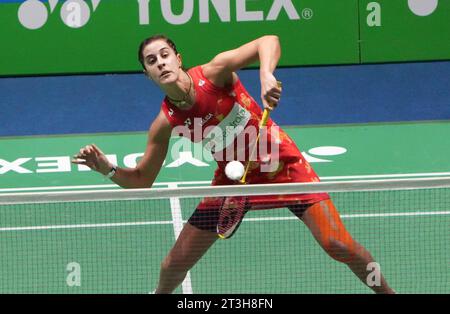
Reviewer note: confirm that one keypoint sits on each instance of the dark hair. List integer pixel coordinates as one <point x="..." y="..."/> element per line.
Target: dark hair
<point x="149" y="40"/>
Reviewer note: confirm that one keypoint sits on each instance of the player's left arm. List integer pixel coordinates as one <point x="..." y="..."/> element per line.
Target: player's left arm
<point x="266" y="50"/>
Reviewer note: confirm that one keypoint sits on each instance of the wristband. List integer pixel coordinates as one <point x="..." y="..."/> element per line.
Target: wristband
<point x="112" y="172"/>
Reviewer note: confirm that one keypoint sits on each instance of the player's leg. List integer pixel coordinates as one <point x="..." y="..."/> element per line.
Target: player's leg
<point x="326" y="226"/>
<point x="195" y="239"/>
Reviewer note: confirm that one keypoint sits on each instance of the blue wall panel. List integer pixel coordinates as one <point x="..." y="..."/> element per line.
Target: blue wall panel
<point x="312" y="95"/>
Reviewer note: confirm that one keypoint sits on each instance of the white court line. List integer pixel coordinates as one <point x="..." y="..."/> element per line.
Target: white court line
<point x="72" y="187"/>
<point x="177" y="219"/>
<point x="396" y="214"/>
<point x="109" y="186"/>
<point x="358" y="216"/>
<point x="386" y="176"/>
<point x="104" y="225"/>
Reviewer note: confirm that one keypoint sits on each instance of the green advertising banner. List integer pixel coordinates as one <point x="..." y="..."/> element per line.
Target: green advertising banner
<point x="86" y="36"/>
<point x="102" y="36"/>
<point x="404" y="30"/>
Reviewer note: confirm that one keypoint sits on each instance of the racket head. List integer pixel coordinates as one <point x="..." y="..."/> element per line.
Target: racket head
<point x="231" y="214"/>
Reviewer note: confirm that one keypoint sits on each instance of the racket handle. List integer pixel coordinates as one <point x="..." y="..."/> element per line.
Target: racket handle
<point x="266" y="112"/>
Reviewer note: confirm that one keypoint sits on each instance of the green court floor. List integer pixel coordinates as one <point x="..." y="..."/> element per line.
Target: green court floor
<point x="117" y="246"/>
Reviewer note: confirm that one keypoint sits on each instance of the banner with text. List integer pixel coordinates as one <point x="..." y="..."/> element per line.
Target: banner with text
<point x="80" y="36"/>
<point x="404" y="30"/>
<point x="97" y="36"/>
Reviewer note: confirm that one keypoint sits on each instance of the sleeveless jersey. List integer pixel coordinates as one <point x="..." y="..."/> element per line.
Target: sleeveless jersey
<point x="226" y="122"/>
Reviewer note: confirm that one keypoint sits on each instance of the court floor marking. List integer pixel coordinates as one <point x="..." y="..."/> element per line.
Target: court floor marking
<point x="177" y="218"/>
<point x="180" y="221"/>
<point x="387" y="176"/>
<point x="101" y="225"/>
<point x="73" y="187"/>
<point x="325" y="178"/>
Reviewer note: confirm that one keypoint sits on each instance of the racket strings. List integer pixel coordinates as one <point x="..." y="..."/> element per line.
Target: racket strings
<point x="231" y="214"/>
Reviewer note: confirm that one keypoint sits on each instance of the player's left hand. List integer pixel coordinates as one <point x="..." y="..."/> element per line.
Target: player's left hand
<point x="94" y="158"/>
<point x="270" y="91"/>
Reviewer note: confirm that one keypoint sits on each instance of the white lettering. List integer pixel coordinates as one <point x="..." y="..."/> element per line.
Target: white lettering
<point x="247" y="136"/>
<point x="223" y="136"/>
<point x="183" y="18"/>
<point x="111" y="158"/>
<point x="287" y="6"/>
<point x="188" y="304"/>
<point x="74" y="277"/>
<point x="14" y="166"/>
<point x="213" y="138"/>
<point x="144" y="14"/>
<point x="130" y="160"/>
<point x="60" y="164"/>
<point x="222" y="8"/>
<point x="270" y="156"/>
<point x="186" y="157"/>
<point x="243" y="15"/>
<point x="183" y="144"/>
<point x="374" y="17"/>
<point x="374" y="278"/>
<point x="75" y="13"/>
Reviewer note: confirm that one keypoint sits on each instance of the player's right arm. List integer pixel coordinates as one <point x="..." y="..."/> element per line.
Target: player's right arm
<point x="221" y="69"/>
<point x="147" y="169"/>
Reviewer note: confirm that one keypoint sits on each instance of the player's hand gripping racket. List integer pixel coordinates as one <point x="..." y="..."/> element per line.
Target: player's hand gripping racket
<point x="234" y="208"/>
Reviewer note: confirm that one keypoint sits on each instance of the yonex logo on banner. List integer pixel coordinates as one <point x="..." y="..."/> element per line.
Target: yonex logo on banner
<point x="33" y="14"/>
<point x="223" y="10"/>
<point x="60" y="164"/>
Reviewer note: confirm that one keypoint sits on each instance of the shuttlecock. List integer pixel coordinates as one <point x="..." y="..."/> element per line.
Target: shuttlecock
<point x="234" y="170"/>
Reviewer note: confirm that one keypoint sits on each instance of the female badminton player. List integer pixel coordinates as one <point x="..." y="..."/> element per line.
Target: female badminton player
<point x="212" y="96"/>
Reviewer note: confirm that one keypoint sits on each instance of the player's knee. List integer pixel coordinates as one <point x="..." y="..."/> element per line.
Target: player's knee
<point x="340" y="251"/>
<point x="171" y="264"/>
